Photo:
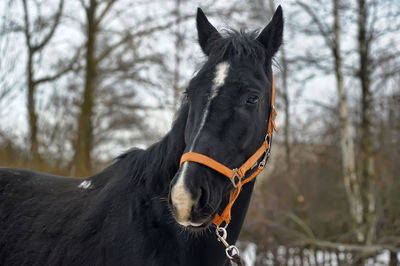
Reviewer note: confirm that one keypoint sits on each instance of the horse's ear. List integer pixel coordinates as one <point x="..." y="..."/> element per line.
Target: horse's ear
<point x="206" y="31"/>
<point x="271" y="35"/>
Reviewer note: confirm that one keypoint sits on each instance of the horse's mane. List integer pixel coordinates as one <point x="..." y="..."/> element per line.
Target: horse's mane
<point x="237" y="44"/>
<point x="160" y="160"/>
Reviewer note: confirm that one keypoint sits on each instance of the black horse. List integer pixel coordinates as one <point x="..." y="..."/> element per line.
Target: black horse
<point x="144" y="209"/>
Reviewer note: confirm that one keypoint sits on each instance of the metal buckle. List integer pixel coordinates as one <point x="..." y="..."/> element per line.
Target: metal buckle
<point x="236" y="178"/>
<point x="266" y="157"/>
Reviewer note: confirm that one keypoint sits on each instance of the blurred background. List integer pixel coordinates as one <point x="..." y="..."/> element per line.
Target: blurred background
<point x="83" y="81"/>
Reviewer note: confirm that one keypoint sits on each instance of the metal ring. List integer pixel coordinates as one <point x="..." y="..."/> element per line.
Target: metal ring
<point x="223" y="231"/>
<point x="231" y="248"/>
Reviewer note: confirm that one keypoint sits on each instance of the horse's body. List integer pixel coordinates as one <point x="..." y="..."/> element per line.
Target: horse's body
<point x="119" y="216"/>
<point x="116" y="217"/>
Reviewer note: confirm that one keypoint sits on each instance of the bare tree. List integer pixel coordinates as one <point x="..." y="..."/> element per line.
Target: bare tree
<point x="367" y="158"/>
<point x="351" y="181"/>
<point x="35" y="45"/>
<point x="177" y="59"/>
<point x="114" y="75"/>
<point x="9" y="57"/>
<point x="332" y="37"/>
<point x="84" y="142"/>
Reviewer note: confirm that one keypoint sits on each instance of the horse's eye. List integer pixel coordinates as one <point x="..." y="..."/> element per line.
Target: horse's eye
<point x="252" y="99"/>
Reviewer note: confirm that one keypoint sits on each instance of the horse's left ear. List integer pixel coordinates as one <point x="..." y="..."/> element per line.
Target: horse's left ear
<point x="206" y="31"/>
<point x="271" y="35"/>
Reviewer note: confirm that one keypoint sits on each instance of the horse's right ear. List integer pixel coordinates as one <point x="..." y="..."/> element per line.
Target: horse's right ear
<point x="206" y="31"/>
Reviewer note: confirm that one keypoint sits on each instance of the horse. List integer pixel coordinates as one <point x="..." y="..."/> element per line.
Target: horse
<point x="146" y="209"/>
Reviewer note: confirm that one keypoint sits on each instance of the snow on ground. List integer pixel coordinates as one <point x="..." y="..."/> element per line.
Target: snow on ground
<point x="249" y="255"/>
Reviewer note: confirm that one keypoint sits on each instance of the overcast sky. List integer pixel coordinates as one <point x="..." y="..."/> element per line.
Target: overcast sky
<point x="321" y="88"/>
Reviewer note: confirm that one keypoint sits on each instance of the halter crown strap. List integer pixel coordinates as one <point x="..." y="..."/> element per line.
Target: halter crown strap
<point x="237" y="175"/>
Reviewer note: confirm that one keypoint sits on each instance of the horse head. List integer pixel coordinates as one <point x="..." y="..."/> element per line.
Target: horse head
<point x="229" y="102"/>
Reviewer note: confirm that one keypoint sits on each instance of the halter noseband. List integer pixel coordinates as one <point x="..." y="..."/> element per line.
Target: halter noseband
<point x="237" y="175"/>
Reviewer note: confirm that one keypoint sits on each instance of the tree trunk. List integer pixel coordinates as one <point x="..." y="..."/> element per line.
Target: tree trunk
<point x="393" y="259"/>
<point x="84" y="139"/>
<point x="178" y="48"/>
<point x="286" y="130"/>
<point x="33" y="49"/>
<point x="32" y="116"/>
<point x="367" y="160"/>
<point x="351" y="181"/>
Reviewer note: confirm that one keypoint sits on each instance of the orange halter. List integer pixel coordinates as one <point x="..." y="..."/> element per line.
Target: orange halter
<point x="237" y="175"/>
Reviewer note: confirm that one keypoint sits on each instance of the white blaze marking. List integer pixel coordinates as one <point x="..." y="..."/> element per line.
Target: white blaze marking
<point x="85" y="184"/>
<point x="181" y="198"/>
<point x="219" y="80"/>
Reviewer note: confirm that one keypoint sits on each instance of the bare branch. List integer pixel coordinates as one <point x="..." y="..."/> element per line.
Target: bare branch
<point x="332" y="109"/>
<point x="323" y="29"/>
<point x="83" y="5"/>
<point x="26" y="28"/>
<point x="105" y="11"/>
<point x="142" y="33"/>
<point x="12" y="27"/>
<point x="62" y="72"/>
<point x="47" y="38"/>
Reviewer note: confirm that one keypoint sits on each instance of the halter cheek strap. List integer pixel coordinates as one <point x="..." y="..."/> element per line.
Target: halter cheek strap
<point x="237" y="175"/>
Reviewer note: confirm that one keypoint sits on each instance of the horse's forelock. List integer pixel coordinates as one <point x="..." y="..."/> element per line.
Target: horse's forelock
<point x="237" y="44"/>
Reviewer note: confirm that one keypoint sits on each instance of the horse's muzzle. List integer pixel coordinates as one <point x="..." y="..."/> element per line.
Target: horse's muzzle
<point x="188" y="202"/>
